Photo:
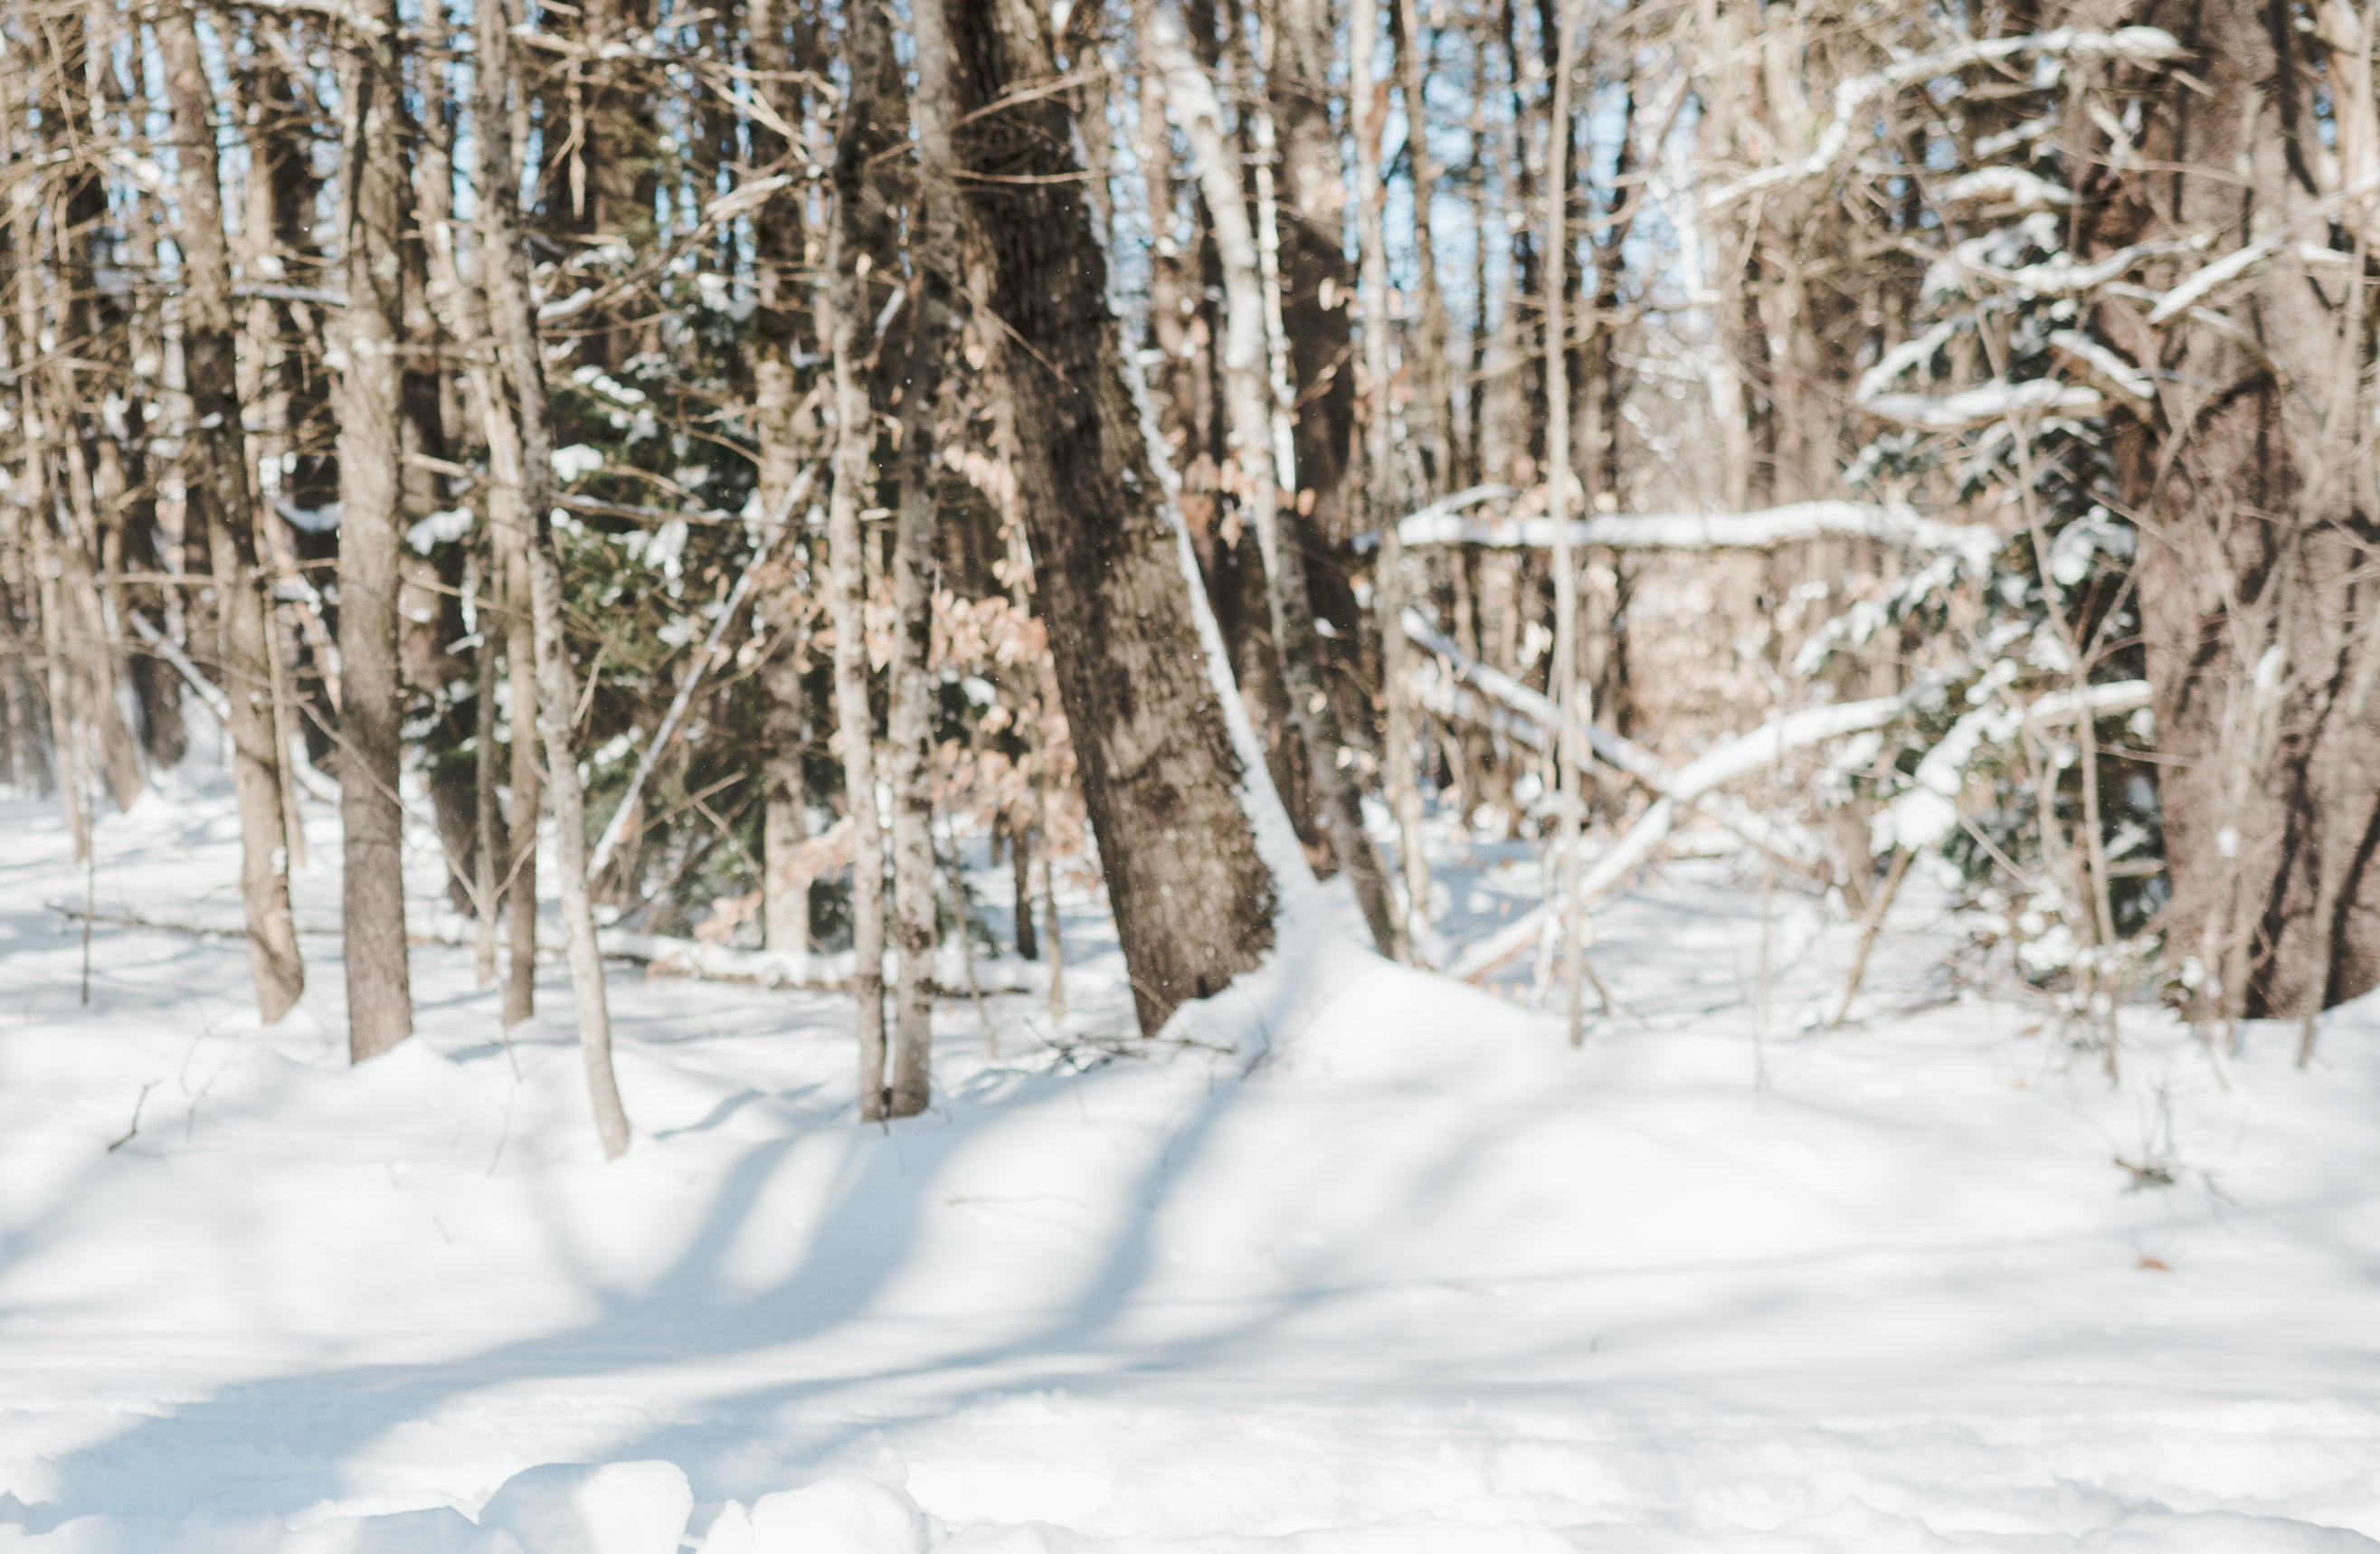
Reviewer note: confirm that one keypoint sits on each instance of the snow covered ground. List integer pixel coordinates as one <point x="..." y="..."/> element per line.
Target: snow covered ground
<point x="1375" y="1264"/>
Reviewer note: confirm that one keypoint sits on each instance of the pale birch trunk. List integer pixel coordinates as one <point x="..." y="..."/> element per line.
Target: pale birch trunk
<point x="505" y="272"/>
<point x="843" y="308"/>
<point x="1568" y="760"/>
<point x="1401" y="780"/>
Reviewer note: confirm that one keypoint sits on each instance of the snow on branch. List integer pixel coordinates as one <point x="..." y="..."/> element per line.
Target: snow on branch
<point x="1732" y="761"/>
<point x="1763" y="531"/>
<point x="1986" y="403"/>
<point x="2137" y="46"/>
<point x="2240" y="261"/>
<point x="1928" y="812"/>
<point x="1789" y="843"/>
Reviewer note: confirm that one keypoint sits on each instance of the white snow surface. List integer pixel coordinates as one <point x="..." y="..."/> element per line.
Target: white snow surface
<point x="1373" y="1263"/>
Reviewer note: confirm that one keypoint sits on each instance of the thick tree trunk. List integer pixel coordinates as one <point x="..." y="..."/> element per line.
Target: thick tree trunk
<point x="211" y="367"/>
<point x="845" y="319"/>
<point x="505" y="266"/>
<point x="934" y="254"/>
<point x="2256" y="580"/>
<point x="1193" y="897"/>
<point x="371" y="816"/>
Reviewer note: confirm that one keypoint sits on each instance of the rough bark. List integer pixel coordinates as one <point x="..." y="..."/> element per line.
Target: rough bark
<point x="2252" y="482"/>
<point x="777" y="318"/>
<point x="222" y="488"/>
<point x="933" y="226"/>
<point x="506" y="273"/>
<point x="844" y="318"/>
<point x="1193" y="899"/>
<point x="371" y="816"/>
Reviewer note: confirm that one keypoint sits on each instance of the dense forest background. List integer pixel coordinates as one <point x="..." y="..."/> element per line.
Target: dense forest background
<point x="1894" y="436"/>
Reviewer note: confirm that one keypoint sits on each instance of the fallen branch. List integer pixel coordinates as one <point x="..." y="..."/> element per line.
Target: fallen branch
<point x="1789" y="843"/>
<point x="1763" y="531"/>
<point x="1738" y="758"/>
<point x="817" y="971"/>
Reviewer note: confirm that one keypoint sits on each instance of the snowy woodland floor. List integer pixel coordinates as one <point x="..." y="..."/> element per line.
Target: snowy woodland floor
<point x="1378" y="1266"/>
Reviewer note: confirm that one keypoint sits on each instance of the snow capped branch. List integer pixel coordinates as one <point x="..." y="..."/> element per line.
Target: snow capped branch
<point x="1732" y="761"/>
<point x="2006" y="185"/>
<point x="1929" y="810"/>
<point x="2137" y="46"/>
<point x="1986" y="403"/>
<point x="2239" y="262"/>
<point x="1762" y="530"/>
<point x="1789" y="843"/>
<point x="1907" y="354"/>
<point x="2105" y="364"/>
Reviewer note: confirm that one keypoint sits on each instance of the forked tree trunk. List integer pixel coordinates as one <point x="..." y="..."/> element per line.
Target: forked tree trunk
<point x="934" y="254"/>
<point x="505" y="272"/>
<point x="371" y="816"/>
<point x="1191" y="102"/>
<point x="844" y="317"/>
<point x="1193" y="897"/>
<point x="2256" y="573"/>
<point x="211" y="370"/>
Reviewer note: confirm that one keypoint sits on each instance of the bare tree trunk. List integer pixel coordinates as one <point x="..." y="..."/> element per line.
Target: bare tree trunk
<point x="1568" y="760"/>
<point x="1190" y="100"/>
<point x="844" y="318"/>
<point x="371" y="816"/>
<point x="526" y="778"/>
<point x="505" y="265"/>
<point x="1427" y="353"/>
<point x="212" y="372"/>
<point x="784" y="820"/>
<point x="2255" y="574"/>
<point x="487" y="820"/>
<point x="1401" y="777"/>
<point x="934" y="256"/>
<point x="1193" y="895"/>
<point x="786" y="712"/>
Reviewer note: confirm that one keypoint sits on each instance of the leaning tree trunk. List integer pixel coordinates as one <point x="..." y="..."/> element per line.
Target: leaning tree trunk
<point x="210" y="370"/>
<point x="842" y="310"/>
<point x="504" y="263"/>
<point x="371" y="816"/>
<point x="2250" y="480"/>
<point x="910" y="737"/>
<point x="1193" y="895"/>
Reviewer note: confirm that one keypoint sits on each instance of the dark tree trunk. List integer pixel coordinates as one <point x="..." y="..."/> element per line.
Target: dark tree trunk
<point x="1194" y="901"/>
<point x="2256" y="574"/>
